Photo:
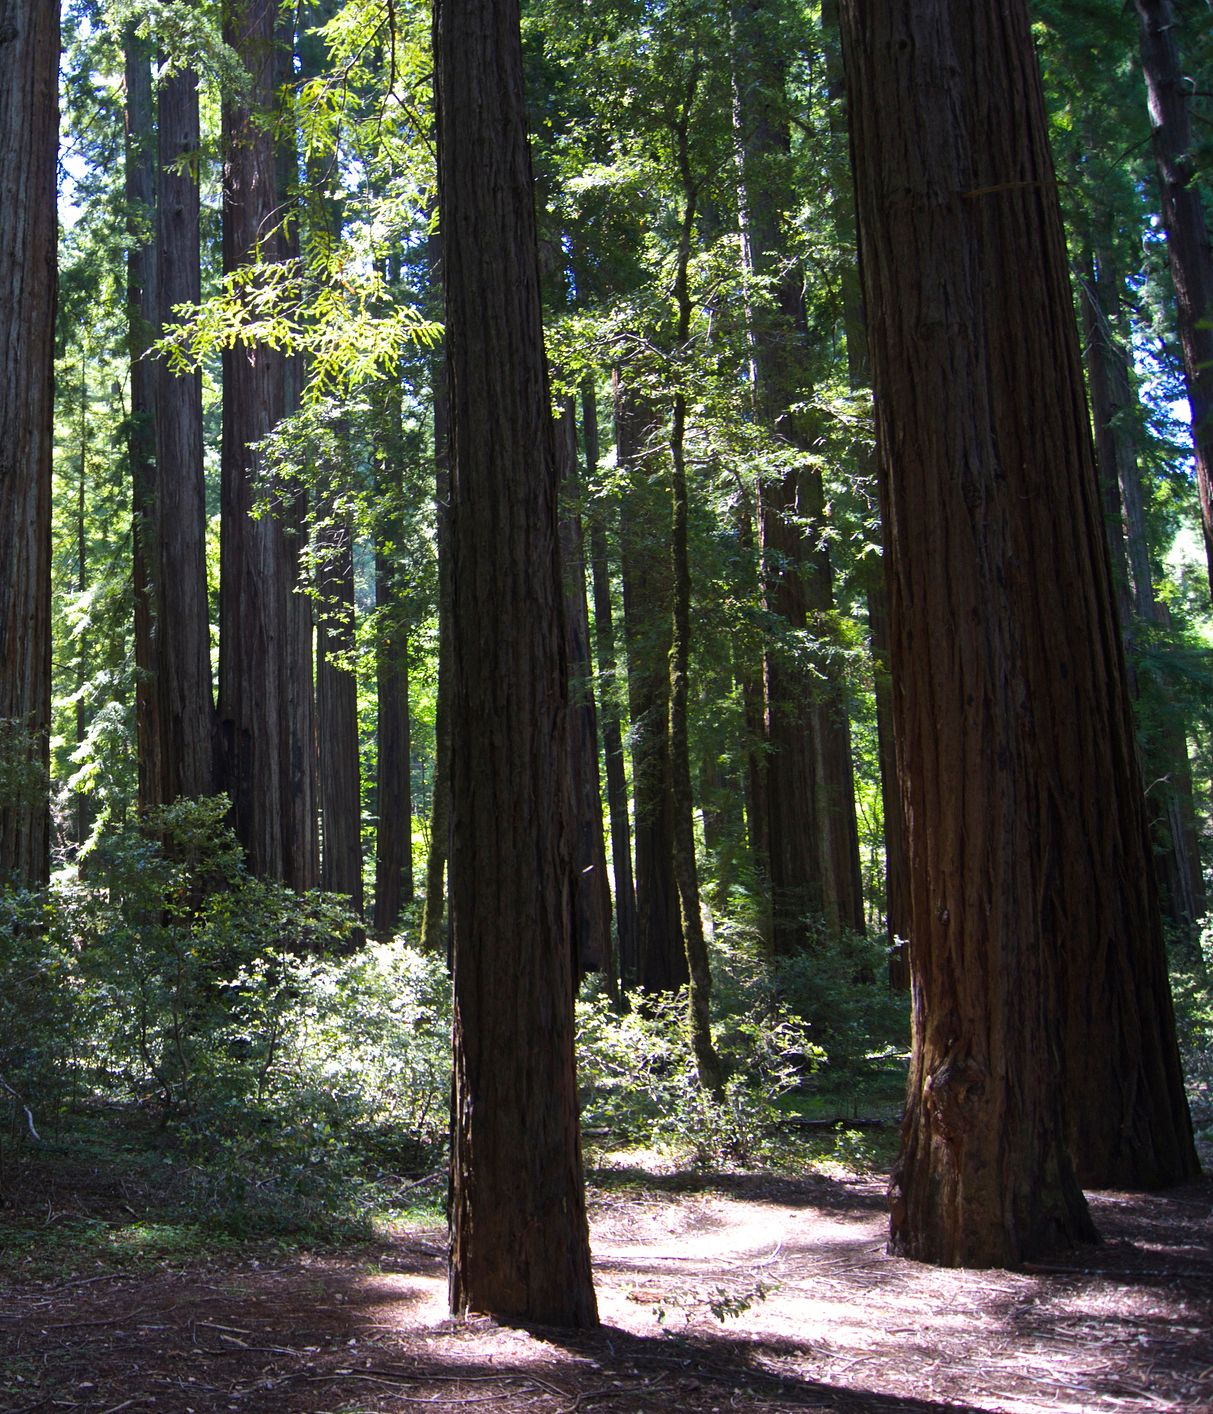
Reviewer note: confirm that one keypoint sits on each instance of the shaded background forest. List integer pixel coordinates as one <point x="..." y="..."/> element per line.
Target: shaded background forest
<point x="710" y="376"/>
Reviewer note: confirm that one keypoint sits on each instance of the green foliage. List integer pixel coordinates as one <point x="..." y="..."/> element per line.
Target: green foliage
<point x="841" y="985"/>
<point x="640" y="1084"/>
<point x="290" y="1071"/>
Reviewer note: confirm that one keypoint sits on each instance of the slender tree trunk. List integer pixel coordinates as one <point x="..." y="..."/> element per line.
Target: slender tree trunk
<point x="266" y="705"/>
<point x="685" y="870"/>
<point x="440" y="808"/>
<point x="592" y="891"/>
<point x="1028" y="842"/>
<point x="82" y="802"/>
<point x="338" y="773"/>
<point x="181" y="759"/>
<point x="29" y="133"/>
<point x="394" y="780"/>
<point x="647" y="598"/>
<point x="519" y="1241"/>
<point x="612" y="733"/>
<point x="1188" y="247"/>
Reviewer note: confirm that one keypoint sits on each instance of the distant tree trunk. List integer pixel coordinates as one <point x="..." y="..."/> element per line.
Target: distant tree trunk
<point x="266" y="705"/>
<point x="338" y="764"/>
<point x="813" y="839"/>
<point x="644" y="531"/>
<point x="685" y="869"/>
<point x="896" y="857"/>
<point x="1027" y="834"/>
<point x="180" y="760"/>
<point x="140" y="191"/>
<point x="612" y="733"/>
<point x="82" y="802"/>
<point x="394" y="784"/>
<point x="519" y="1240"/>
<point x="591" y="887"/>
<point x="859" y="374"/>
<point x="1165" y="745"/>
<point x="1188" y="246"/>
<point x="29" y="144"/>
<point x="440" y="796"/>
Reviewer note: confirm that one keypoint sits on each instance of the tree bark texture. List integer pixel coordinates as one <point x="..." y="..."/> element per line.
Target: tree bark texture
<point x="591" y="887"/>
<point x="519" y="1239"/>
<point x="266" y="704"/>
<point x="338" y="764"/>
<point x="29" y="141"/>
<point x="1028" y="842"/>
<point x="1191" y="257"/>
<point x="647" y="607"/>
<point x="181" y="759"/>
<point x="612" y="732"/>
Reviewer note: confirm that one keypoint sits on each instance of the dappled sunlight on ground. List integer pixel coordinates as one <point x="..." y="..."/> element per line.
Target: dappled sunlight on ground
<point x="722" y="1292"/>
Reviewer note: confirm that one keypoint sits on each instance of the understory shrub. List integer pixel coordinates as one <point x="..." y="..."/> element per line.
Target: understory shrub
<point x="639" y="1082"/>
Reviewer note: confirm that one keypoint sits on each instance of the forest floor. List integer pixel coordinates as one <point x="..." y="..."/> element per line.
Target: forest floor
<point x="716" y="1292"/>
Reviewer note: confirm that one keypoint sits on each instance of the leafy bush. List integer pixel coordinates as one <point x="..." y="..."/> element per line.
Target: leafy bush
<point x="639" y="1082"/>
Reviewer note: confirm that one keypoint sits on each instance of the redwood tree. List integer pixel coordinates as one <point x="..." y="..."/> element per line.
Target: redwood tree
<point x="519" y="1241"/>
<point x="1027" y="834"/>
<point x="266" y="712"/>
<point x="29" y="139"/>
<point x="177" y="747"/>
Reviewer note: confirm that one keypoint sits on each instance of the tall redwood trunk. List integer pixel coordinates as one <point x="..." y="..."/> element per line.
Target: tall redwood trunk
<point x="647" y="599"/>
<point x="266" y="711"/>
<point x="29" y="138"/>
<point x="180" y="759"/>
<point x="1028" y="842"/>
<point x="519" y="1240"/>
<point x="1188" y="248"/>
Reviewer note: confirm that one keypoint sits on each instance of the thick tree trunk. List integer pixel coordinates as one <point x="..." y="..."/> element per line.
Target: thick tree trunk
<point x="338" y="765"/>
<point x="29" y="137"/>
<point x="266" y="711"/>
<point x="592" y="890"/>
<point x="1188" y="248"/>
<point x="180" y="760"/>
<point x="612" y="732"/>
<point x="1028" y="842"/>
<point x="647" y="597"/>
<point x="519" y="1241"/>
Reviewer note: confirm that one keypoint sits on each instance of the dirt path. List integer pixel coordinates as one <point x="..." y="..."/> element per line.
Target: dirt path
<point x="810" y="1313"/>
